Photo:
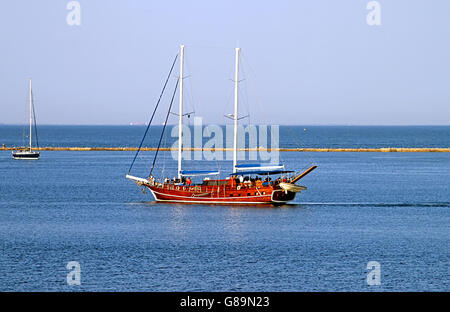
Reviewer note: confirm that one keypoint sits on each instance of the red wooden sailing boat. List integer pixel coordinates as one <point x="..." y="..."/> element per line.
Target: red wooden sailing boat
<point x="248" y="184"/>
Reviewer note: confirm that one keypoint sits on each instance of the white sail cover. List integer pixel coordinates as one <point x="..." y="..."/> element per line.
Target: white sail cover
<point x="193" y="173"/>
<point x="259" y="167"/>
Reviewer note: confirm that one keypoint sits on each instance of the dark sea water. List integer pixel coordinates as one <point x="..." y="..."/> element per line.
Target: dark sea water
<point x="393" y="208"/>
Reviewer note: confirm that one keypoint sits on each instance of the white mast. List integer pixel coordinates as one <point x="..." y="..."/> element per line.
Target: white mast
<point x="236" y="84"/>
<point x="180" y="122"/>
<point x="31" y="107"/>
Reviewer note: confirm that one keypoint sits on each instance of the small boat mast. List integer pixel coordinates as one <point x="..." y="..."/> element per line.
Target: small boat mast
<point x="31" y="107"/>
<point x="27" y="153"/>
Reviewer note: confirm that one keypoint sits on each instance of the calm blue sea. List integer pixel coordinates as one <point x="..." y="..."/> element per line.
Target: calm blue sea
<point x="393" y="208"/>
<point x="289" y="136"/>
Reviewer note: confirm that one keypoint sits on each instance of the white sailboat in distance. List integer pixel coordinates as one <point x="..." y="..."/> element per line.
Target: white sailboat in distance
<point x="28" y="153"/>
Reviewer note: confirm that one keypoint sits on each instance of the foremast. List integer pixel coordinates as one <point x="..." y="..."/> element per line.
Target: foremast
<point x="180" y="120"/>
<point x="235" y="116"/>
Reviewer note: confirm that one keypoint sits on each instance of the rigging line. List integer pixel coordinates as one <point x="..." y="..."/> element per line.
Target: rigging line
<point x="165" y="124"/>
<point x="23" y="135"/>
<point x="189" y="87"/>
<point x="245" y="92"/>
<point x="246" y="68"/>
<point x="151" y="119"/>
<point x="299" y="143"/>
<point x="35" y="124"/>
<point x="164" y="158"/>
<point x="251" y="86"/>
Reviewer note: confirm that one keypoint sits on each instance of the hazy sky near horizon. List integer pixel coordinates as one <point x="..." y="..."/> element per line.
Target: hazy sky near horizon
<point x="303" y="62"/>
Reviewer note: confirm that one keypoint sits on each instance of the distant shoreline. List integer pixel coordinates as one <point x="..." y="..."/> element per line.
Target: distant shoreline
<point x="383" y="149"/>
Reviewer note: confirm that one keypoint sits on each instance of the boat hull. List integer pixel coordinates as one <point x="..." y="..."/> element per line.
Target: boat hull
<point x="219" y="195"/>
<point x="25" y="155"/>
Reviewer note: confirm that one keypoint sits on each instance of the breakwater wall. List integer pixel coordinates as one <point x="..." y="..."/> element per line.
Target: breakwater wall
<point x="383" y="149"/>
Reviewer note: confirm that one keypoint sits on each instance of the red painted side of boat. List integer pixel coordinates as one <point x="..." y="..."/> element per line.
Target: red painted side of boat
<point x="229" y="193"/>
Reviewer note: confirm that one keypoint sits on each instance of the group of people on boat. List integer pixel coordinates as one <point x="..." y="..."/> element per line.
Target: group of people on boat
<point x="183" y="181"/>
<point x="258" y="181"/>
<point x="242" y="181"/>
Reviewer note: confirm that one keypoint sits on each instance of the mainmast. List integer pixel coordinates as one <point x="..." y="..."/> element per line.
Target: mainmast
<point x="180" y="122"/>
<point x="236" y="84"/>
<point x="31" y="107"/>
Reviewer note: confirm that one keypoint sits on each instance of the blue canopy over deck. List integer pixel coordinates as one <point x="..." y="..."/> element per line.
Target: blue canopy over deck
<point x="259" y="167"/>
<point x="261" y="172"/>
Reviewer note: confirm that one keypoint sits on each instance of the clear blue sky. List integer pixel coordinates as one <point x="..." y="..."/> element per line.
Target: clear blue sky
<point x="306" y="62"/>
